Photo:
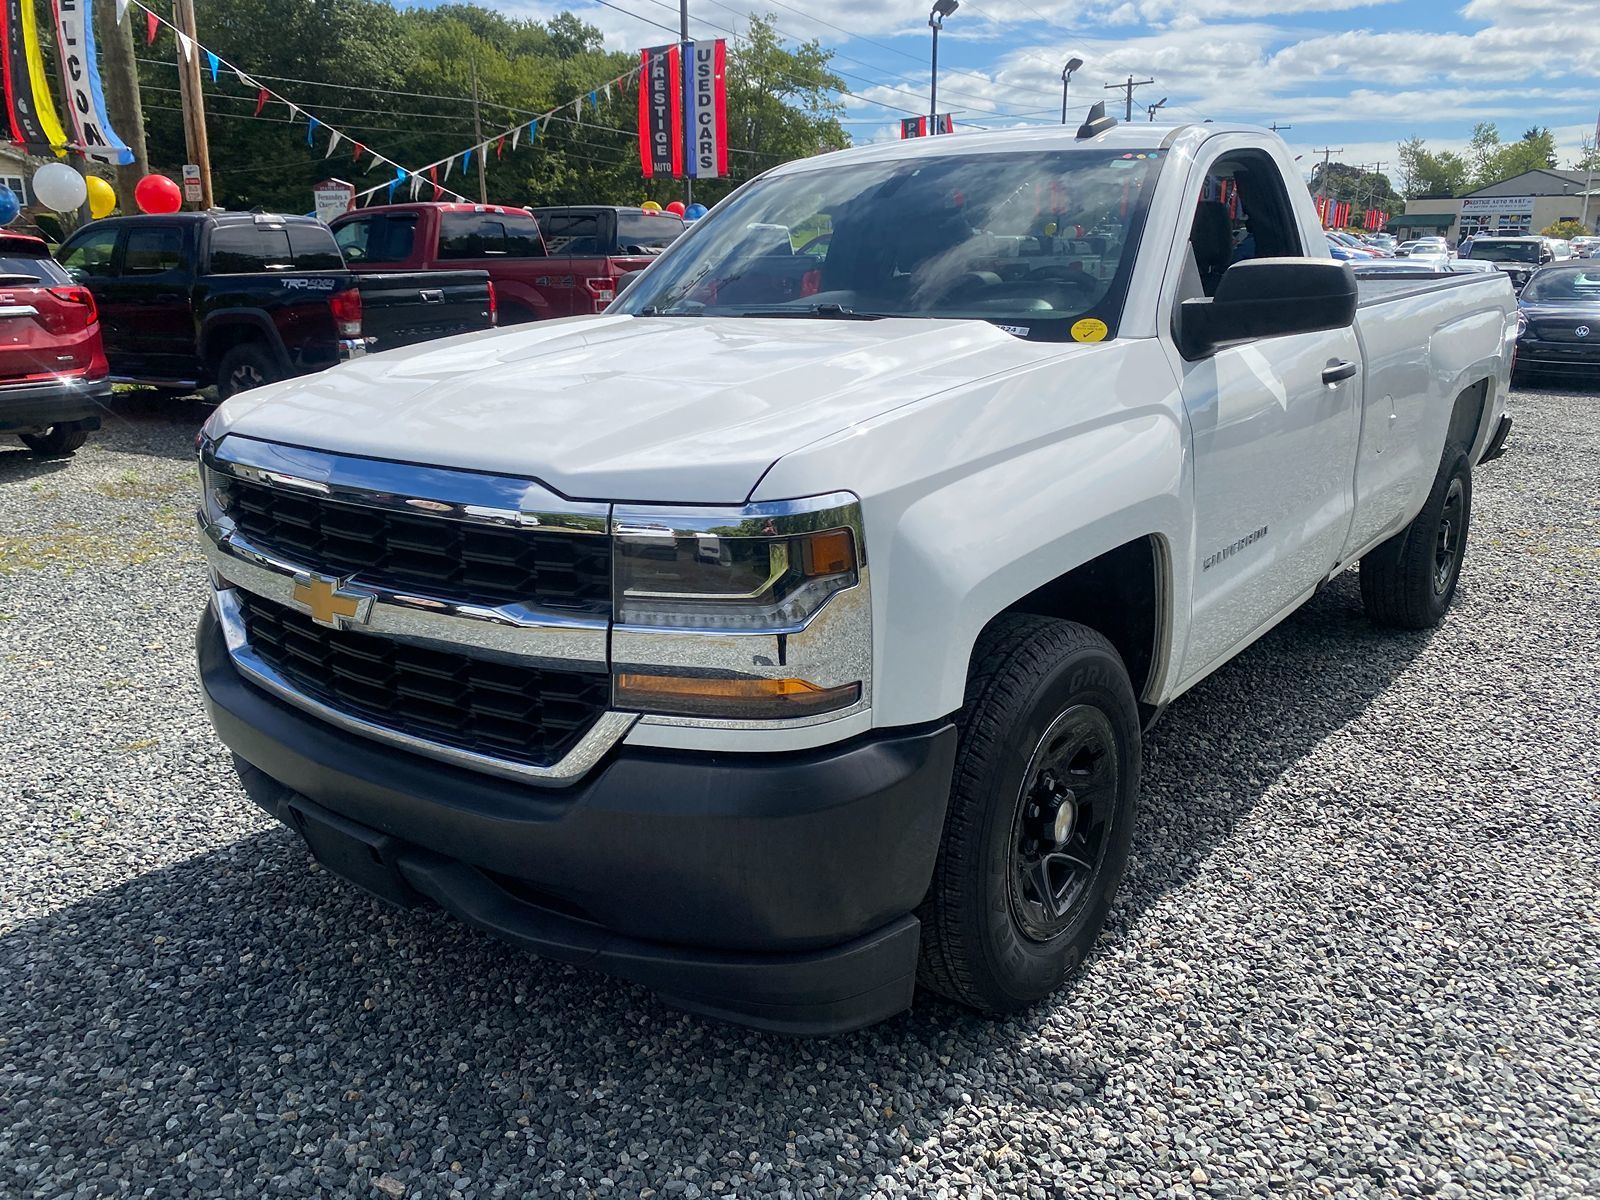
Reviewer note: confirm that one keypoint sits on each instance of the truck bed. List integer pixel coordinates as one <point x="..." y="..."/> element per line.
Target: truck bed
<point x="1383" y="289"/>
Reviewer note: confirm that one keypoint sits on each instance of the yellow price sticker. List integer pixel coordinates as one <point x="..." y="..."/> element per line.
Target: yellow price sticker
<point x="1090" y="329"/>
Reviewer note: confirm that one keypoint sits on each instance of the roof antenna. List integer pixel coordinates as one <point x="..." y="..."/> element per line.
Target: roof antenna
<point x="1096" y="122"/>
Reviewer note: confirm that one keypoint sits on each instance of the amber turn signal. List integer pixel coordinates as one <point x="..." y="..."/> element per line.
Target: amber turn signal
<point x="687" y="696"/>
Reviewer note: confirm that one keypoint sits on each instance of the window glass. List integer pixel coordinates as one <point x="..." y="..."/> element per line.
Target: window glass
<point x="379" y="239"/>
<point x="489" y="235"/>
<point x="312" y="247"/>
<point x="19" y="186"/>
<point x="248" y="249"/>
<point x="153" y="250"/>
<point x="91" y="257"/>
<point x="641" y="234"/>
<point x="32" y="266"/>
<point x="572" y="233"/>
<point x="1040" y="243"/>
<point x="1564" y="285"/>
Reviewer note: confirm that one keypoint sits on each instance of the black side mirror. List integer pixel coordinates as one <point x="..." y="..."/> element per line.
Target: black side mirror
<point x="1268" y="297"/>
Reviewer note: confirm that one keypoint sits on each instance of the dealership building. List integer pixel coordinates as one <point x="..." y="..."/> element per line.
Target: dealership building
<point x="1524" y="203"/>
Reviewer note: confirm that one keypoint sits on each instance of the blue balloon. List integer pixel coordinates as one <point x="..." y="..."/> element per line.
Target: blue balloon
<point x="10" y="206"/>
<point x="694" y="212"/>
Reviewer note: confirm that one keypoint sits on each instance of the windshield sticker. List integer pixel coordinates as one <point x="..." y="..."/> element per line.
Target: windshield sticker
<point x="1018" y="330"/>
<point x="1090" y="329"/>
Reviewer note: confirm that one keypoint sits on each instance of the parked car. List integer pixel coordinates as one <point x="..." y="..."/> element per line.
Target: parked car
<point x="784" y="635"/>
<point x="592" y="247"/>
<point x="1518" y="257"/>
<point x="1354" y="244"/>
<point x="503" y="241"/>
<point x="242" y="299"/>
<point x="1429" y="245"/>
<point x="1586" y="247"/>
<point x="53" y="372"/>
<point x="1558" y="322"/>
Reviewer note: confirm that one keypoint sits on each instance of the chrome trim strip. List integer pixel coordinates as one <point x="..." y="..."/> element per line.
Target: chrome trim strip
<point x="513" y="632"/>
<point x="609" y="728"/>
<point x="404" y="487"/>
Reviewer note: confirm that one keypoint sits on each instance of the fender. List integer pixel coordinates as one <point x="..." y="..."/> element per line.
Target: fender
<point x="1073" y="470"/>
<point x="223" y="320"/>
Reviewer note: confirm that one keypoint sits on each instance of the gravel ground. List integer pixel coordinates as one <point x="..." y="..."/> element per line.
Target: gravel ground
<point x="1358" y="954"/>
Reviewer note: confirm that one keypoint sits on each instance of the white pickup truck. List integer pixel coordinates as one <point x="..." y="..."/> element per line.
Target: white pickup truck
<point x="784" y="636"/>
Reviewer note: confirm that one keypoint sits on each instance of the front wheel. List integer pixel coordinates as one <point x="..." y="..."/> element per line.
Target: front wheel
<point x="1041" y="815"/>
<point x="1409" y="581"/>
<point x="244" y="367"/>
<point x="55" y="442"/>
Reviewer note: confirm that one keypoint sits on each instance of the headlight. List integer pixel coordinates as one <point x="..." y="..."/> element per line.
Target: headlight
<point x="1522" y="323"/>
<point x="758" y="613"/>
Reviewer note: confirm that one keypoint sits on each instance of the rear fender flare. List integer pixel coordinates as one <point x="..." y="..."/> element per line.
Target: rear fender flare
<point x="227" y="327"/>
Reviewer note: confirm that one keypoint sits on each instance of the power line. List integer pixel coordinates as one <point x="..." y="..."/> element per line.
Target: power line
<point x="1128" y="87"/>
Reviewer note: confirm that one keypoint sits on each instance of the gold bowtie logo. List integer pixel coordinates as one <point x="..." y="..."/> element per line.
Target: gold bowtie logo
<point x="331" y="604"/>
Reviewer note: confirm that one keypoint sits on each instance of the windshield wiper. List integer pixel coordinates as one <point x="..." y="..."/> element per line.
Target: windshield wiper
<point x="830" y="312"/>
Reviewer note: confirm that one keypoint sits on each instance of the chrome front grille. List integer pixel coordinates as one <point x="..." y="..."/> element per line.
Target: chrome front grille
<point x="480" y="636"/>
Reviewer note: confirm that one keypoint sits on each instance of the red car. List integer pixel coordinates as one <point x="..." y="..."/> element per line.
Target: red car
<point x="53" y="373"/>
<point x="550" y="262"/>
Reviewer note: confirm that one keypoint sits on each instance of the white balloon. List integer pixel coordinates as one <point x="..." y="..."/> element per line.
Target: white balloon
<point x="59" y="187"/>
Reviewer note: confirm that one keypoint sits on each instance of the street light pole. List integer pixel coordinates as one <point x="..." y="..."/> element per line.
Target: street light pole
<point x="1066" y="78"/>
<point x="1161" y="103"/>
<point x="941" y="10"/>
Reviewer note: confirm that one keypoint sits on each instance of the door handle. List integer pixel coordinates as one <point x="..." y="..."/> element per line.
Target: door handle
<point x="1338" y="371"/>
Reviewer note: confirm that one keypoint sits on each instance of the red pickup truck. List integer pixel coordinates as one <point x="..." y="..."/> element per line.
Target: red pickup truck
<point x="547" y="262"/>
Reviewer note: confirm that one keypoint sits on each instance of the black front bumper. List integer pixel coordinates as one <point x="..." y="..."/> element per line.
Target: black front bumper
<point x="772" y="890"/>
<point x="34" y="407"/>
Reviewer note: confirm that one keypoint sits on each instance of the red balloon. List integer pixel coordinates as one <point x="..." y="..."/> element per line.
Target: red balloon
<point x="676" y="207"/>
<point x="157" y="194"/>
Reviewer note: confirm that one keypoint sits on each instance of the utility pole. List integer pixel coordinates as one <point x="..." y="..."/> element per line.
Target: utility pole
<point x="122" y="98"/>
<point x="1327" y="152"/>
<point x="1128" y="87"/>
<point x="194" y="105"/>
<point x="1276" y="128"/>
<point x="477" y="133"/>
<point x="685" y="71"/>
<point x="1154" y="108"/>
<point x="1590" y="151"/>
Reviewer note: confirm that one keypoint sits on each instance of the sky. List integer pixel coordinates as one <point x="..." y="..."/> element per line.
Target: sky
<point x="1356" y="76"/>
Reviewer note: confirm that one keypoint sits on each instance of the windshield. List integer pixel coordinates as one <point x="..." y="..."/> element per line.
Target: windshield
<point x="1039" y="243"/>
<point x="1518" y="252"/>
<point x="1564" y="287"/>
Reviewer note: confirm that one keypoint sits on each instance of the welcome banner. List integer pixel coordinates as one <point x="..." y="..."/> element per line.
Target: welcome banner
<point x="660" y="114"/>
<point x="80" y="74"/>
<point x="705" y="103"/>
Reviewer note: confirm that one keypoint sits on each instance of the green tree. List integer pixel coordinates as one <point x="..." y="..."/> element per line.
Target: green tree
<point x="1482" y="151"/>
<point x="1564" y="229"/>
<point x="1424" y="173"/>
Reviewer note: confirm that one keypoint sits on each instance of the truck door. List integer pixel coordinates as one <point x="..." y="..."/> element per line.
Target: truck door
<point x="154" y="287"/>
<point x="1274" y="423"/>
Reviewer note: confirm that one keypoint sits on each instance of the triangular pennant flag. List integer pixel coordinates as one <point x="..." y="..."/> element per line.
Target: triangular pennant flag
<point x="393" y="183"/>
<point x="533" y="131"/>
<point x="244" y="80"/>
<point x="448" y="163"/>
<point x="262" y="96"/>
<point x="433" y="178"/>
<point x="355" y="155"/>
<point x="213" y="62"/>
<point x="608" y="91"/>
<point x="466" y="159"/>
<point x="516" y="136"/>
<point x="294" y="111"/>
<point x="334" y="137"/>
<point x="122" y="10"/>
<point x="311" y="128"/>
<point x="594" y="99"/>
<point x="186" y="44"/>
<point x="152" y="24"/>
<point x="416" y="182"/>
<point x="499" y="145"/>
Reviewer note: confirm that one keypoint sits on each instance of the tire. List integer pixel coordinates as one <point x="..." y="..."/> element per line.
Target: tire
<point x="1045" y="698"/>
<point x="245" y="366"/>
<point x="54" y="442"/>
<point x="1409" y="581"/>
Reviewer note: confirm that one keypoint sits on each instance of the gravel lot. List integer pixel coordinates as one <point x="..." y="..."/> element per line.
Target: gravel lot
<point x="1359" y="952"/>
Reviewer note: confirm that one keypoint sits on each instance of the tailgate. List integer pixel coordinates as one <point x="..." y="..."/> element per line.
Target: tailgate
<point x="41" y="336"/>
<point x="400" y="308"/>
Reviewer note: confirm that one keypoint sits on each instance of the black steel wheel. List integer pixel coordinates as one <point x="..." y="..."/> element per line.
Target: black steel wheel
<point x="1040" y="815"/>
<point x="1409" y="581"/>
<point x="244" y="367"/>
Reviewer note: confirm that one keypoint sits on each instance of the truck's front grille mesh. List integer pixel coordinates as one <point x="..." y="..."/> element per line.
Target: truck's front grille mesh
<point x="522" y="714"/>
<point x="445" y="558"/>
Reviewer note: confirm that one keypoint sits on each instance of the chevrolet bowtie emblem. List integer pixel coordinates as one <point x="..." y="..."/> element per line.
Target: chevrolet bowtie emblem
<point x="330" y="603"/>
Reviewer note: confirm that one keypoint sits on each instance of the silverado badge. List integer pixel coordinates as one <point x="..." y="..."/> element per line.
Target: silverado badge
<point x="330" y="603"/>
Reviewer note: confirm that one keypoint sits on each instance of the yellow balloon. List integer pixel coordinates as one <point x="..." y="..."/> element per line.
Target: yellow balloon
<point x="102" y="197"/>
<point x="650" y="206"/>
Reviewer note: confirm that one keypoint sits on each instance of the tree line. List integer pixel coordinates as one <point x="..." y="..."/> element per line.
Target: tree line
<point x="1486" y="160"/>
<point x="401" y="81"/>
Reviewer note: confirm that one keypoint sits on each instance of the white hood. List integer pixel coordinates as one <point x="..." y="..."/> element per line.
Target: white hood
<point x="661" y="409"/>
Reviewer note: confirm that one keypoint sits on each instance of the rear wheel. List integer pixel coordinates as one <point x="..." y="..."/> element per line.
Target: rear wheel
<point x="55" y="442"/>
<point x="244" y="367"/>
<point x="1410" y="580"/>
<point x="1040" y="819"/>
